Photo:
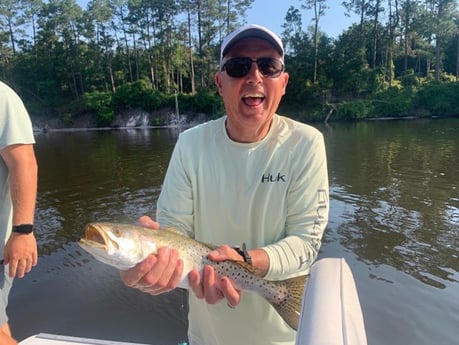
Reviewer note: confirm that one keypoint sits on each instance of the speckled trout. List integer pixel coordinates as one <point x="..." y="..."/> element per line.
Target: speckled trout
<point x="123" y="246"/>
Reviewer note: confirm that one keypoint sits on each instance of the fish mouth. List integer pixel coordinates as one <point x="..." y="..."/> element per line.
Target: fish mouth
<point x="95" y="236"/>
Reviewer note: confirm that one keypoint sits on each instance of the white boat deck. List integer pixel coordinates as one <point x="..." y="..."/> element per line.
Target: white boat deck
<point x="54" y="339"/>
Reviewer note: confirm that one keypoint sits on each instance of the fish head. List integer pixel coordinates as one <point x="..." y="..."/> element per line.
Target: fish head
<point x="118" y="245"/>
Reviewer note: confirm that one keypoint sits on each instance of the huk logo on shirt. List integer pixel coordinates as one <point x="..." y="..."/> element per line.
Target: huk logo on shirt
<point x="272" y="178"/>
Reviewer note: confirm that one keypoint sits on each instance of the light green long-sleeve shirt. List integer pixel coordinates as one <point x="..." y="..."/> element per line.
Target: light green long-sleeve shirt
<point x="272" y="194"/>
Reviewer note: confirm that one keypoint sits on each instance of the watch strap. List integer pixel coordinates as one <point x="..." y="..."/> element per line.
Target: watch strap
<point x="23" y="228"/>
<point x="242" y="251"/>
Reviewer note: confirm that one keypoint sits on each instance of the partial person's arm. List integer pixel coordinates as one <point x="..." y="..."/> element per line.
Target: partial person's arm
<point x="5" y="335"/>
<point x="21" y="249"/>
<point x="6" y="339"/>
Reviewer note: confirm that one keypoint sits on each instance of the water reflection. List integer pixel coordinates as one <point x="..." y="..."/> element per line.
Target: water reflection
<point x="97" y="175"/>
<point x="393" y="188"/>
<point x="396" y="180"/>
<point x="399" y="182"/>
<point x="394" y="217"/>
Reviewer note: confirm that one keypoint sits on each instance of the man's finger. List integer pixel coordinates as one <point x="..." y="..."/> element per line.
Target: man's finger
<point x="194" y="279"/>
<point x="147" y="222"/>
<point x="232" y="295"/>
<point x="13" y="268"/>
<point x="132" y="276"/>
<point x="210" y="284"/>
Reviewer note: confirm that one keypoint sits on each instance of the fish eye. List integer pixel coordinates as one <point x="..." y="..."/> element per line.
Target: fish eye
<point x="116" y="231"/>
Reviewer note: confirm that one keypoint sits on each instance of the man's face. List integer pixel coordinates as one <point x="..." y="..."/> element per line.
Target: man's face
<point x="251" y="100"/>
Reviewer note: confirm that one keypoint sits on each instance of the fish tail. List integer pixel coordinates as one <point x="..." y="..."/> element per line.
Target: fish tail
<point x="289" y="308"/>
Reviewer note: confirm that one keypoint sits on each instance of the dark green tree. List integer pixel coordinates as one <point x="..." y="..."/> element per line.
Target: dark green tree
<point x="319" y="7"/>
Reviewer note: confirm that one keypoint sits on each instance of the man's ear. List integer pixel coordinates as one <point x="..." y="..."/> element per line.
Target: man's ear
<point x="218" y="82"/>
<point x="286" y="77"/>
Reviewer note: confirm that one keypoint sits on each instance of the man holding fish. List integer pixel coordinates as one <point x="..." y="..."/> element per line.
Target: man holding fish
<point x="252" y="177"/>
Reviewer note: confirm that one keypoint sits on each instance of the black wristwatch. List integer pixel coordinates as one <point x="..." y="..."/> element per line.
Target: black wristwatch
<point x="242" y="251"/>
<point x="23" y="229"/>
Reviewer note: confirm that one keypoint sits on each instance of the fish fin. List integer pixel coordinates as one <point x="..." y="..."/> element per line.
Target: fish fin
<point x="289" y="309"/>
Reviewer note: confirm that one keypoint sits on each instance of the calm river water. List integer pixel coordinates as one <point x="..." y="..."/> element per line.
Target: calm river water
<point x="394" y="218"/>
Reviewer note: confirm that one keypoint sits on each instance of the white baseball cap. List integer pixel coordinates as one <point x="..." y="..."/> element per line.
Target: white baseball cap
<point x="252" y="30"/>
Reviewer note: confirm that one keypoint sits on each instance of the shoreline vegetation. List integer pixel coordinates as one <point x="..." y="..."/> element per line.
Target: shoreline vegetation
<point x="204" y="118"/>
<point x="89" y="67"/>
<point x="185" y="124"/>
<point x="136" y="109"/>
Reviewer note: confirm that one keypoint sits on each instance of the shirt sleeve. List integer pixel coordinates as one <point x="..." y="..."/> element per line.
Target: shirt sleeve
<point x="15" y="123"/>
<point x="308" y="208"/>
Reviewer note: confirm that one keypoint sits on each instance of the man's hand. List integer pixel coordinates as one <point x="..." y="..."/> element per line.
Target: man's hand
<point x="21" y="254"/>
<point x="210" y="286"/>
<point x="157" y="273"/>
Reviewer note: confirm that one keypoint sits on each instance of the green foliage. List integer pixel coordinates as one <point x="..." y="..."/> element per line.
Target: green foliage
<point x="67" y="119"/>
<point x="353" y="110"/>
<point x="409" y="80"/>
<point x="101" y="104"/>
<point x="376" y="80"/>
<point x="309" y="95"/>
<point x="204" y="102"/>
<point x="449" y="78"/>
<point x="392" y="102"/>
<point x="439" y="98"/>
<point x="68" y="60"/>
<point x="131" y="95"/>
<point x="138" y="94"/>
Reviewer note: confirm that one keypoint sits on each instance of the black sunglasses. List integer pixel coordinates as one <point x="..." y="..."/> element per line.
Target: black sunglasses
<point x="239" y="67"/>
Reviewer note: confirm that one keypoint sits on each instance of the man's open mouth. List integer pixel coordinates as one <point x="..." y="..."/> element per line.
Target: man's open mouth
<point x="253" y="100"/>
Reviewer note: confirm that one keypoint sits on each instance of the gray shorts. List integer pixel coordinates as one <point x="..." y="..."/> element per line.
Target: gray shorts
<point x="5" y="286"/>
